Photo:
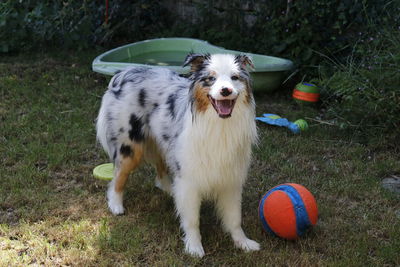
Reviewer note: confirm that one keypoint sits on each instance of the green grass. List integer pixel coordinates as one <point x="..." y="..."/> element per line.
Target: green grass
<point x="53" y="212"/>
<point x="360" y="91"/>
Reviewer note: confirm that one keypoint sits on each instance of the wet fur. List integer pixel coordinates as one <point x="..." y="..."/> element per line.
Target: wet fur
<point x="155" y="115"/>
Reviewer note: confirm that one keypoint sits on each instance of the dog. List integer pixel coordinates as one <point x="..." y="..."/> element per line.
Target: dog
<point x="197" y="130"/>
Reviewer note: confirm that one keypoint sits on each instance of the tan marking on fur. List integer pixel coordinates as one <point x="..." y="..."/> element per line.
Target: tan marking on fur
<point x="127" y="165"/>
<point x="201" y="99"/>
<point x="245" y="61"/>
<point x="152" y="154"/>
<point x="196" y="64"/>
<point x="248" y="95"/>
<point x="161" y="167"/>
<point x="213" y="74"/>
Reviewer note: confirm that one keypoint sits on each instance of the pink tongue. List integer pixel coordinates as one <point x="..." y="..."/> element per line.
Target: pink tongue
<point x="224" y="106"/>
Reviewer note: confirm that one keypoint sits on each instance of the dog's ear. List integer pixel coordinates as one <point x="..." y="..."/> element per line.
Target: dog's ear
<point x="244" y="60"/>
<point x="195" y="60"/>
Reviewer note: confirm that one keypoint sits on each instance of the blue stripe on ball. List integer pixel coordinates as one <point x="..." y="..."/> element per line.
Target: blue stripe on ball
<point x="302" y="219"/>
<point x="261" y="214"/>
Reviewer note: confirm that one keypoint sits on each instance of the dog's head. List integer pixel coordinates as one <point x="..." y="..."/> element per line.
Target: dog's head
<point x="219" y="80"/>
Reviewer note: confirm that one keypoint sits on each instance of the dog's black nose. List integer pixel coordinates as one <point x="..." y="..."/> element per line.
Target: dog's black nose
<point x="226" y="91"/>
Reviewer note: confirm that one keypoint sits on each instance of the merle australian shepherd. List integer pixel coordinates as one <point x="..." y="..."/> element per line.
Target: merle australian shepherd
<point x="196" y="130"/>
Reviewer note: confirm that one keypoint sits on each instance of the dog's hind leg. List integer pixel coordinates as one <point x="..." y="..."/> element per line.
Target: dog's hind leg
<point x="153" y="155"/>
<point x="128" y="159"/>
<point x="162" y="180"/>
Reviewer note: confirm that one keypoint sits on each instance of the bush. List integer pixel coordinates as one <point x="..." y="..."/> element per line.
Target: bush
<point x="31" y="24"/>
<point x="25" y="25"/>
<point x="131" y="21"/>
<point x="363" y="94"/>
<point x="292" y="29"/>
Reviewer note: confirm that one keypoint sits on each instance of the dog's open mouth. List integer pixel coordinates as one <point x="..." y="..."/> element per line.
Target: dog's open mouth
<point x="224" y="107"/>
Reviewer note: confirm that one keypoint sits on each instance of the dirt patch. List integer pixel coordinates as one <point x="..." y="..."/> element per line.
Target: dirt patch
<point x="8" y="216"/>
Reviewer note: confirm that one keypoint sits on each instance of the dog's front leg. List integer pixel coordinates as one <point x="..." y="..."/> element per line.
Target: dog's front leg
<point x="188" y="202"/>
<point x="229" y="209"/>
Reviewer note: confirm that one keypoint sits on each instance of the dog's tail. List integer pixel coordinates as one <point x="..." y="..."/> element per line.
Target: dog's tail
<point x="101" y="129"/>
<point x="105" y="117"/>
<point x="103" y="126"/>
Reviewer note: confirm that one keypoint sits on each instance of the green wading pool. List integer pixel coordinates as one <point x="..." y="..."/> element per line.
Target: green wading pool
<point x="268" y="74"/>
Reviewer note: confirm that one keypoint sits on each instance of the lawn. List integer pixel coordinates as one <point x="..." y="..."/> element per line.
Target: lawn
<point x="53" y="212"/>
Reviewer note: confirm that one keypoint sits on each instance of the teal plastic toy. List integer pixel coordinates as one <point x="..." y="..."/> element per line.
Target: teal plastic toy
<point x="273" y="119"/>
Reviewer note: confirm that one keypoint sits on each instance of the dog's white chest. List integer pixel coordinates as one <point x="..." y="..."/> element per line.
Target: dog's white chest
<point x="216" y="152"/>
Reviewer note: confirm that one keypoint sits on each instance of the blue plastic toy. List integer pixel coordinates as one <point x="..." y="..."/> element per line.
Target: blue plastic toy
<point x="273" y="119"/>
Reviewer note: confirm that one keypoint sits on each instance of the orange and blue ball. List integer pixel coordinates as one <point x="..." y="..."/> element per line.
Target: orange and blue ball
<point x="288" y="211"/>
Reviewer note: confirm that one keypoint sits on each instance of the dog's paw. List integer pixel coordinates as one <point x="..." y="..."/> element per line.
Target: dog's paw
<point x="247" y="244"/>
<point x="194" y="248"/>
<point x="195" y="251"/>
<point x="115" y="202"/>
<point x="116" y="209"/>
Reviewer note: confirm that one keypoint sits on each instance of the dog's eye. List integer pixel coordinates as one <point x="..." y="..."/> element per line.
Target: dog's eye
<point x="211" y="78"/>
<point x="234" y="77"/>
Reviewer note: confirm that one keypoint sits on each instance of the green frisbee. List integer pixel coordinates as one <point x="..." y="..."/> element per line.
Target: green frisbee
<point x="104" y="171"/>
